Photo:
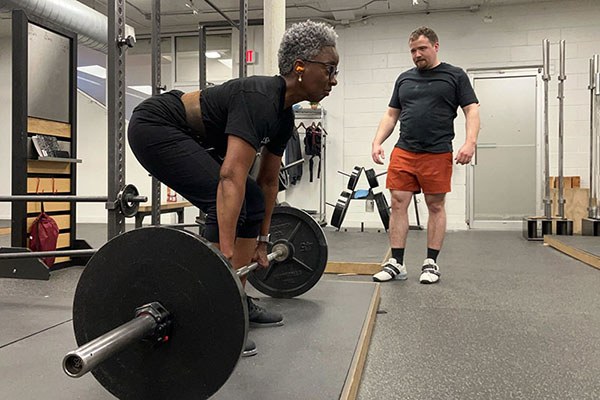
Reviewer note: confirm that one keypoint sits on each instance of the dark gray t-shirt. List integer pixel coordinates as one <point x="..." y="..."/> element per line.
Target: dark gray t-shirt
<point x="251" y="108"/>
<point x="428" y="100"/>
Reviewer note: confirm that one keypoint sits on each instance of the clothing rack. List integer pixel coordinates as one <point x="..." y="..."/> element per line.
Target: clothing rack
<point x="318" y="120"/>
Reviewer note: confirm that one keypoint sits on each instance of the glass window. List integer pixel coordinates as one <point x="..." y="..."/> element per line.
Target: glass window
<point x="218" y="59"/>
<point x="91" y="72"/>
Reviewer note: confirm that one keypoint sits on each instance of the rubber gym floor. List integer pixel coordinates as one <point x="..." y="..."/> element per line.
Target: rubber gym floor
<point x="510" y="319"/>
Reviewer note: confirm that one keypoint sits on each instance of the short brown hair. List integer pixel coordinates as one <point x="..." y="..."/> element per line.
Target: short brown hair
<point x="424" y="31"/>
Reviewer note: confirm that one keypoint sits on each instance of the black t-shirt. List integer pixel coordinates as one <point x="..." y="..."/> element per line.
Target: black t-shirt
<point x="428" y="100"/>
<point x="251" y="108"/>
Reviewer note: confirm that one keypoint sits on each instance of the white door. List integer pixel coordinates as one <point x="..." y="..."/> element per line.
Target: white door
<point x="503" y="183"/>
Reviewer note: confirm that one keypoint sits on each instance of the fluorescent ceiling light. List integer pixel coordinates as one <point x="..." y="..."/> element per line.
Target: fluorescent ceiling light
<point x="146" y="89"/>
<point x="94" y="70"/>
<point x="213" y="54"/>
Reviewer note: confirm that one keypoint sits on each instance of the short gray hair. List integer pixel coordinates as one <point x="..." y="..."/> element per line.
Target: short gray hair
<point x="304" y="40"/>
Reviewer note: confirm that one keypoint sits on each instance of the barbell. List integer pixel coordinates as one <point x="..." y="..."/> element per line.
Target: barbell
<point x="128" y="199"/>
<point x="190" y="316"/>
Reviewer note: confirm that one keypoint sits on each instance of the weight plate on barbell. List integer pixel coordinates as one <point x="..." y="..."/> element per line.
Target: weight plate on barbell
<point x="371" y="178"/>
<point x="307" y="263"/>
<point x="384" y="209"/>
<point x="194" y="283"/>
<point x="354" y="176"/>
<point x="341" y="207"/>
<point x="128" y="208"/>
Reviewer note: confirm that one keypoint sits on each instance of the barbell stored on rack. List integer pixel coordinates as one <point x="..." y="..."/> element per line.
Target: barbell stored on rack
<point x="128" y="199"/>
<point x="352" y="177"/>
<point x="190" y="317"/>
<point x="43" y="254"/>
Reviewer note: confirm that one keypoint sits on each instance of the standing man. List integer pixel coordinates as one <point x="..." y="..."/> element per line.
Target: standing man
<point x="425" y="100"/>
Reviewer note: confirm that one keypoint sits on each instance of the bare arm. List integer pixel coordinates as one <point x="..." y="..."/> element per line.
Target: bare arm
<point x="232" y="190"/>
<point x="384" y="130"/>
<point x="465" y="153"/>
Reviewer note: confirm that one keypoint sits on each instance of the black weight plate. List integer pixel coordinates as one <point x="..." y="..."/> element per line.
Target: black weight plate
<point x="128" y="208"/>
<point x="372" y="178"/>
<point x="341" y="207"/>
<point x="354" y="177"/>
<point x="194" y="283"/>
<point x="384" y="209"/>
<point x="303" y="270"/>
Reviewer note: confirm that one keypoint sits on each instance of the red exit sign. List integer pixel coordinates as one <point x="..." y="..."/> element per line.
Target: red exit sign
<point x="250" y="56"/>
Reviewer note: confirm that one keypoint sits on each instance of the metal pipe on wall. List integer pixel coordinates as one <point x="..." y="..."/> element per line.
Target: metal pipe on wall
<point x="90" y="25"/>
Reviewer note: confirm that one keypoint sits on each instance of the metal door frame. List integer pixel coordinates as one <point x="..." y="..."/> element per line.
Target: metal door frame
<point x="509" y="72"/>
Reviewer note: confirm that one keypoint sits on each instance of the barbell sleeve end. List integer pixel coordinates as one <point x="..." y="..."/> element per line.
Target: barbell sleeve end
<point x="82" y="360"/>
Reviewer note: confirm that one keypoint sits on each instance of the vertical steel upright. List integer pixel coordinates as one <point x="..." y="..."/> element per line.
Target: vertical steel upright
<point x="19" y="126"/>
<point x="116" y="114"/>
<point x="202" y="56"/>
<point x="156" y="89"/>
<point x="243" y="28"/>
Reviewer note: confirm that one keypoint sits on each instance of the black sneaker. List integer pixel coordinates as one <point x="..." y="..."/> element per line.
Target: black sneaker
<point x="259" y="317"/>
<point x="249" y="348"/>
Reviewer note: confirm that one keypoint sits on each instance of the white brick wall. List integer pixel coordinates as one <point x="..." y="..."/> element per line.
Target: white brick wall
<point x="373" y="54"/>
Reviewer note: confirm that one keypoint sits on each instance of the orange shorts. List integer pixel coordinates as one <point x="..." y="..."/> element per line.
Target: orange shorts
<point x="413" y="172"/>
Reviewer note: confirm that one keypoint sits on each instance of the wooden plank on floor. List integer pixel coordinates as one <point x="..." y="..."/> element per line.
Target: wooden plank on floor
<point x="581" y="255"/>
<point x="335" y="267"/>
<point x="352" y="384"/>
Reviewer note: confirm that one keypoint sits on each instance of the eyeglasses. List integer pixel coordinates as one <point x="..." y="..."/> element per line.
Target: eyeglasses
<point x="331" y="68"/>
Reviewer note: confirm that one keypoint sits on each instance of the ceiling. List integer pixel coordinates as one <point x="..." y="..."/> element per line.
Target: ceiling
<point x="184" y="15"/>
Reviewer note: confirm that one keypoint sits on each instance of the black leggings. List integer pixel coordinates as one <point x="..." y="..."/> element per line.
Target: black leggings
<point x="178" y="160"/>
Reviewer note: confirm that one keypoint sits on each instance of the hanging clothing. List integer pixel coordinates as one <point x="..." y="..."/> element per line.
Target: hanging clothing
<point x="293" y="152"/>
